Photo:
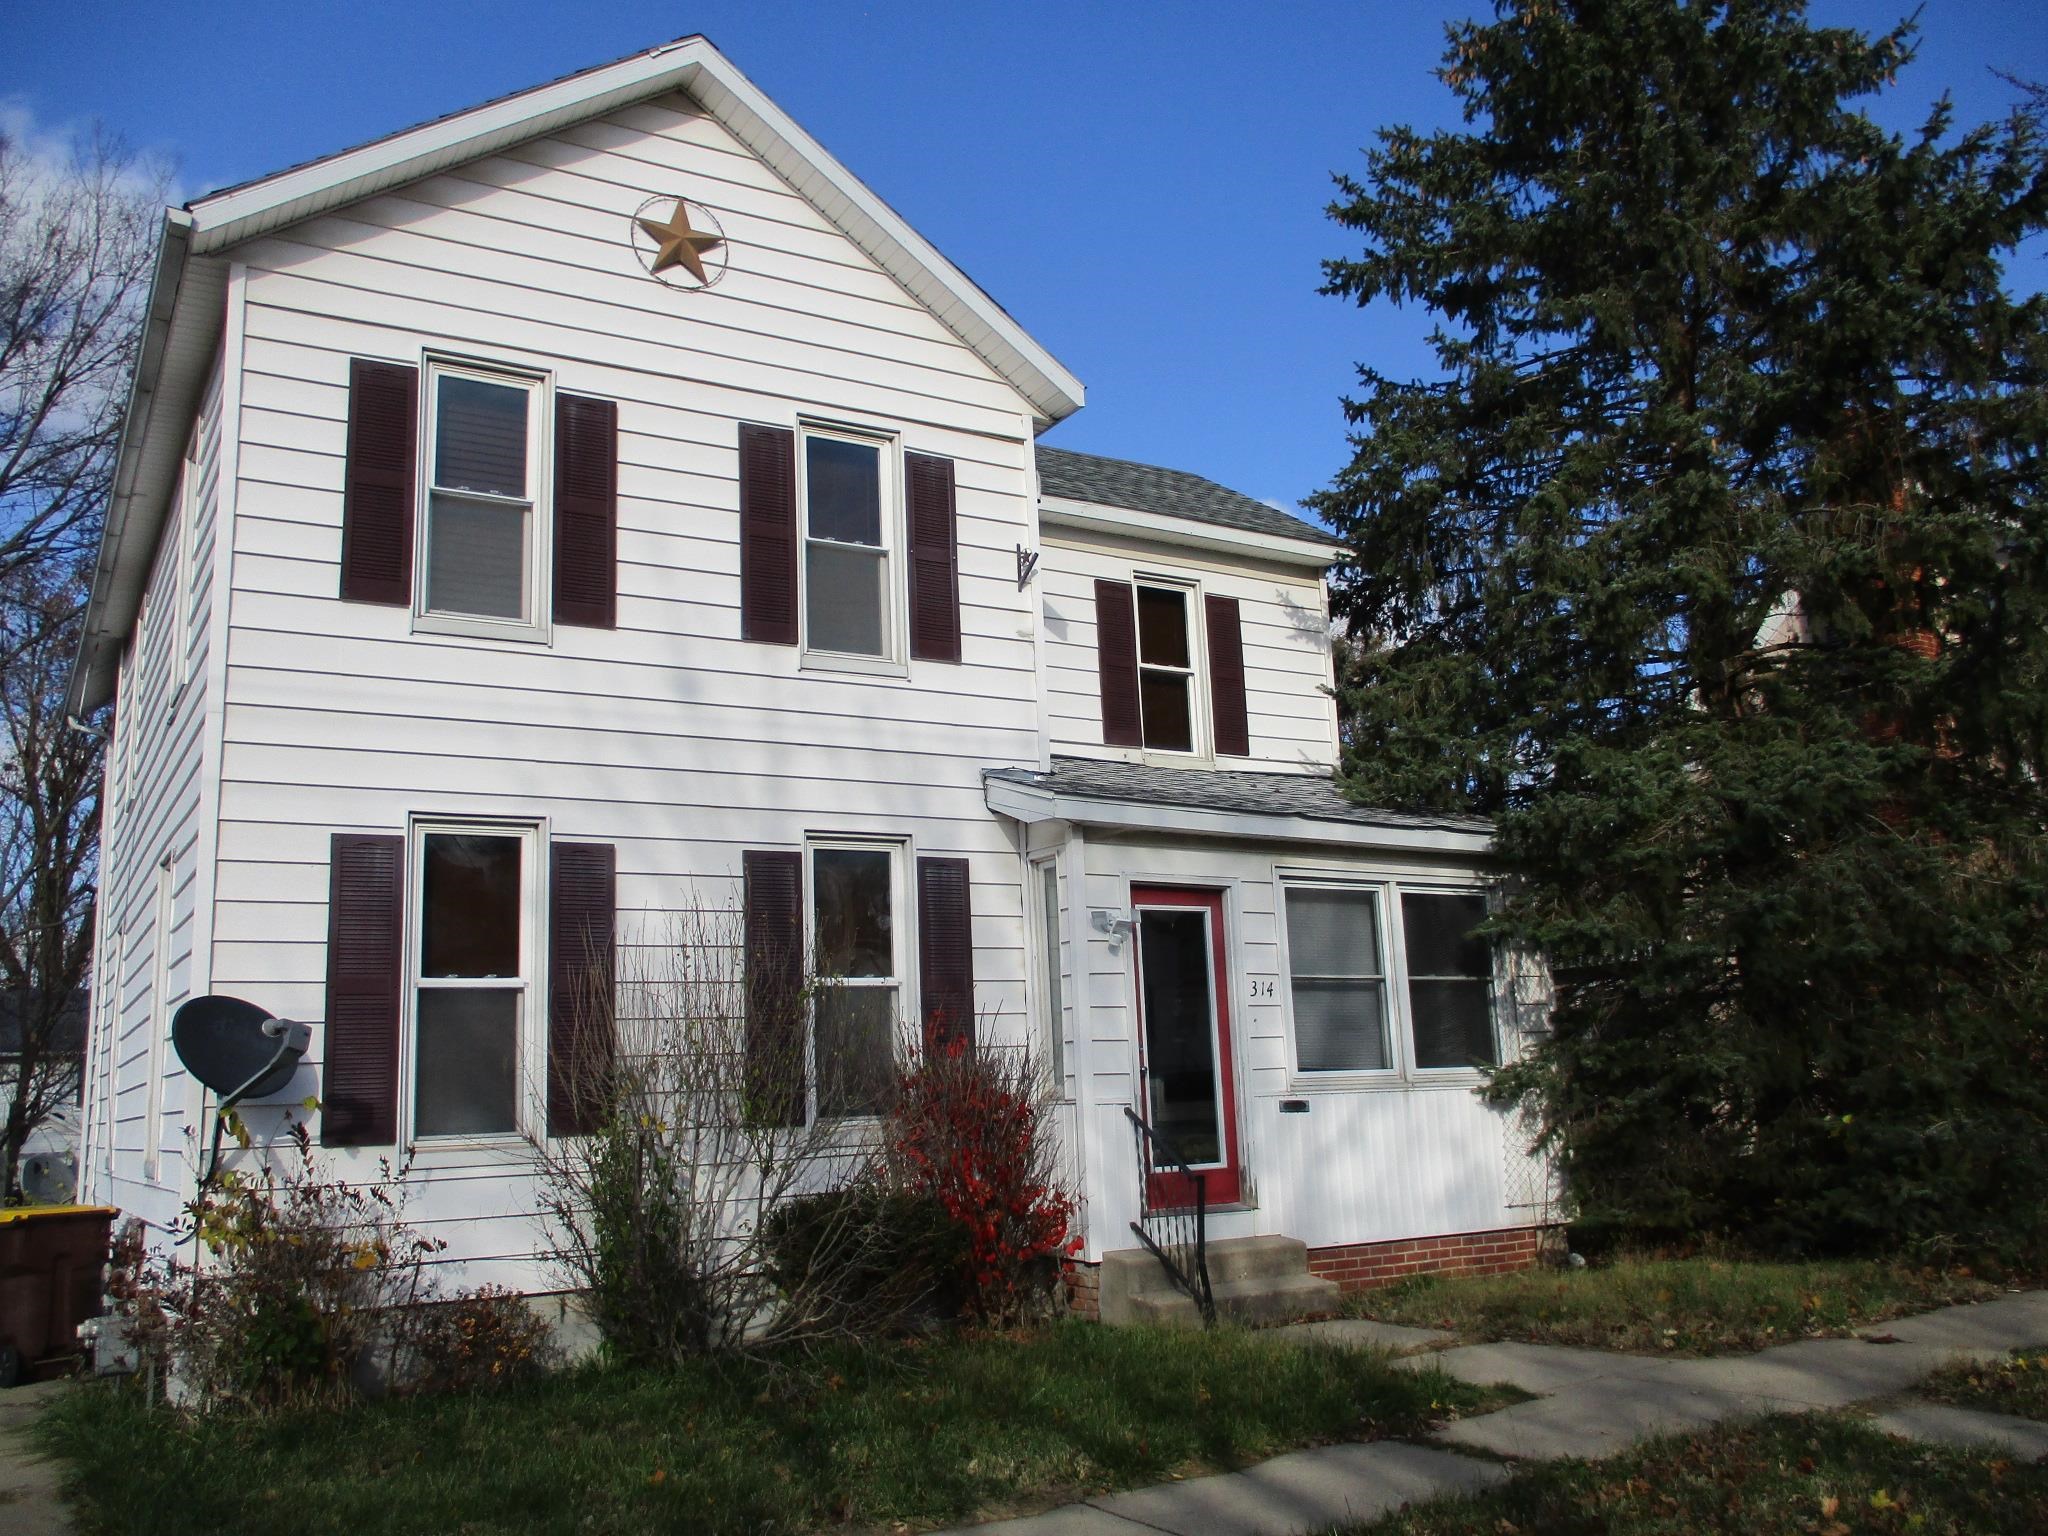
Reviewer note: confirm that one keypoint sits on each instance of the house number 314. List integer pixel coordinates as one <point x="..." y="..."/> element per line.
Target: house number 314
<point x="1262" y="988"/>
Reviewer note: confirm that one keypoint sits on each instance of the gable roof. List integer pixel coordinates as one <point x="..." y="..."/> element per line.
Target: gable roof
<point x="1106" y="482"/>
<point x="183" y="319"/>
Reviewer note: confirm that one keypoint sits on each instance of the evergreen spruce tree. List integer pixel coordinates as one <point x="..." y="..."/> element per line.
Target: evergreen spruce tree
<point x="1715" y="566"/>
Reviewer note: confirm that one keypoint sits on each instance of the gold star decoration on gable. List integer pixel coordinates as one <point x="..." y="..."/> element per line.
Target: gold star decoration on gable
<point x="678" y="244"/>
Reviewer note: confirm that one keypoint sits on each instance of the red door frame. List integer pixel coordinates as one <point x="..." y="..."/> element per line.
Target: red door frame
<point x="1224" y="1183"/>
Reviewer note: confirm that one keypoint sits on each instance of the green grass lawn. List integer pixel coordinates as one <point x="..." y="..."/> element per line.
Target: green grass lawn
<point x="2017" y="1384"/>
<point x="1807" y="1476"/>
<point x="1693" y="1306"/>
<point x="921" y="1434"/>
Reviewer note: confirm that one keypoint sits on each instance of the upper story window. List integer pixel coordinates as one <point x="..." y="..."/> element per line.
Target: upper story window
<point x="485" y="549"/>
<point x="481" y="497"/>
<point x="1352" y="1014"/>
<point x="1161" y="654"/>
<point x="848" y="547"/>
<point x="1166" y="669"/>
<point x="849" y="512"/>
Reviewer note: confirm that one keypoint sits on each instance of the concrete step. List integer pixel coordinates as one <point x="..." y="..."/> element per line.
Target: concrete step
<point x="1259" y="1300"/>
<point x="1136" y="1272"/>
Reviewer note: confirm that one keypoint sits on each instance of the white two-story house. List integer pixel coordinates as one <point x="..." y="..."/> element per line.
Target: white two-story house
<point x="599" y="503"/>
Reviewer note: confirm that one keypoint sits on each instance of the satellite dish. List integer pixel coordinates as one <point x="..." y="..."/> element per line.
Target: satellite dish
<point x="235" y="1048"/>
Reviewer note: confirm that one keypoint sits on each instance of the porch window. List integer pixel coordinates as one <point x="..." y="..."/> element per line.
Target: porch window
<point x="857" y="941"/>
<point x="483" y="542"/>
<point x="1450" y="979"/>
<point x="1338" y="980"/>
<point x="471" y="990"/>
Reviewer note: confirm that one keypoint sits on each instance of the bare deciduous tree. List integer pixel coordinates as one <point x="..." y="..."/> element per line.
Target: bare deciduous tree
<point x="683" y="1216"/>
<point x="77" y="233"/>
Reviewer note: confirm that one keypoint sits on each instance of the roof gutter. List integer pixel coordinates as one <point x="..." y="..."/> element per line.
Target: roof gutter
<point x="98" y="633"/>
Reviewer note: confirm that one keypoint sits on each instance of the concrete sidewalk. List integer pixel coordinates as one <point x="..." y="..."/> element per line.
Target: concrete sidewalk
<point x="29" y="1501"/>
<point x="1588" y="1403"/>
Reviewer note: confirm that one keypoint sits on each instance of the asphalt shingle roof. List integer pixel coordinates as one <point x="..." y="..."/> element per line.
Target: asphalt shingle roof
<point x="1169" y="492"/>
<point x="1311" y="795"/>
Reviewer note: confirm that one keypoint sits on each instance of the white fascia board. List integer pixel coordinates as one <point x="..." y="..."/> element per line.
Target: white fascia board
<point x="693" y="66"/>
<point x="162" y="397"/>
<point x="1032" y="803"/>
<point x="1129" y="522"/>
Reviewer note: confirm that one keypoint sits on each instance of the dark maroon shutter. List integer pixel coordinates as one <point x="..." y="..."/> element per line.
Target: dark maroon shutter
<point x="934" y="558"/>
<point x="1226" y="677"/>
<point x="377" y="498"/>
<point x="365" y="985"/>
<point x="945" y="952"/>
<point x="586" y="511"/>
<point x="582" y="913"/>
<point x="774" y="917"/>
<point x="767" y="534"/>
<point x="1116" y="663"/>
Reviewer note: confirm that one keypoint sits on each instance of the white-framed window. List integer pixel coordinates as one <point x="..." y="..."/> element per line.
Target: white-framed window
<point x="854" y="904"/>
<point x="1388" y="979"/>
<point x="1043" y="907"/>
<point x="473" y="950"/>
<point x="1337" y="978"/>
<point x="1169" y="693"/>
<point x="483" y="535"/>
<point x="849" y="508"/>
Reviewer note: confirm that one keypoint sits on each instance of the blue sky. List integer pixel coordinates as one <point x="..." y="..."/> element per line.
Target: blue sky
<point x="1141" y="185"/>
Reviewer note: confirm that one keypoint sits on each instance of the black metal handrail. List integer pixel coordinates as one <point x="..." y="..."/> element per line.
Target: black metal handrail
<point x="1178" y="1236"/>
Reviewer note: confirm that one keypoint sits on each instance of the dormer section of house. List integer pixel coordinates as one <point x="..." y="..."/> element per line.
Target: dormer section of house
<point x="1186" y="625"/>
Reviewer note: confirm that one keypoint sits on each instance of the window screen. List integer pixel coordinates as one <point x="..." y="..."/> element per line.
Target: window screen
<point x="1338" y="981"/>
<point x="479" y="504"/>
<point x="846" y="559"/>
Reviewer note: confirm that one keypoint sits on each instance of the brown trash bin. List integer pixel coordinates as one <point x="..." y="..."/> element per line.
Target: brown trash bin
<point x="52" y="1263"/>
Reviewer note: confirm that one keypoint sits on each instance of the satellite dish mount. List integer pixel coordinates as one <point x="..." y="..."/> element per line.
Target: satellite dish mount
<point x="238" y="1051"/>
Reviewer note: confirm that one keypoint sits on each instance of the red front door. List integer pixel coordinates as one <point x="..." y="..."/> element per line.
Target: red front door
<point x="1184" y="1040"/>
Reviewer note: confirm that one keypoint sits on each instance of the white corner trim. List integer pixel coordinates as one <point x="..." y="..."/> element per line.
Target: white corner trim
<point x="1030" y="803"/>
<point x="1094" y="517"/>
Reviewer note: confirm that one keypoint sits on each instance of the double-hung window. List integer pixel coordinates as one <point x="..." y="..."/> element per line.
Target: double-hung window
<point x="857" y="944"/>
<point x="1339" y="980"/>
<point x="485" y="546"/>
<point x="848" y="500"/>
<point x="473" y="956"/>
<point x="1166" y="668"/>
<point x="1355" y="1012"/>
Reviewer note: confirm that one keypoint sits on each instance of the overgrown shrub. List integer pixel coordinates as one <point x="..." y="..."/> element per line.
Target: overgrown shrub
<point x="970" y="1131"/>
<point x="868" y="1258"/>
<point x="478" y="1342"/>
<point x="700" y="1136"/>
<point x="304" y="1288"/>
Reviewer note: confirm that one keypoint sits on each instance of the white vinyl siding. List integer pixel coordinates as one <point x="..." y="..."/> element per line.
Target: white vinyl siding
<point x="1290" y="713"/>
<point x="669" y="737"/>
